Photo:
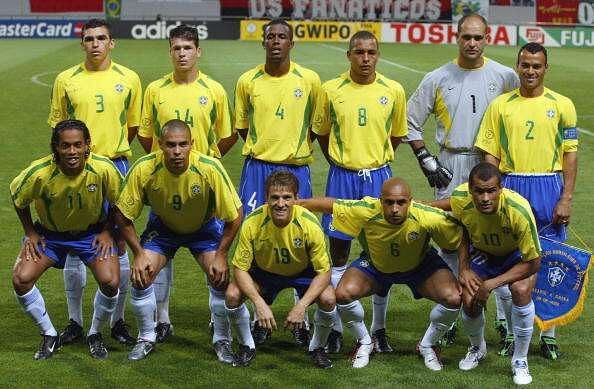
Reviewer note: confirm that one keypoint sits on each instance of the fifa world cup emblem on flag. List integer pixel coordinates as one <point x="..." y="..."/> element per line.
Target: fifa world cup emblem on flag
<point x="560" y="289"/>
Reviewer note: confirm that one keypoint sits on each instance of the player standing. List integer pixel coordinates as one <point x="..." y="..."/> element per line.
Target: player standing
<point x="281" y="245"/>
<point x="189" y="194"/>
<point x="394" y="232"/>
<point x="107" y="97"/>
<point x="274" y="107"/>
<point x="360" y="120"/>
<point x="68" y="188"/>
<point x="458" y="94"/>
<point x="189" y="95"/>
<point x="531" y="134"/>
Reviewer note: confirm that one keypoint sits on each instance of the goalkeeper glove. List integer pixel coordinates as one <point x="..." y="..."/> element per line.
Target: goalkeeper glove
<point x="437" y="175"/>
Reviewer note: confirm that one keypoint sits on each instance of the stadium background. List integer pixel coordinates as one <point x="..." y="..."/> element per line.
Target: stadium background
<point x="28" y="66"/>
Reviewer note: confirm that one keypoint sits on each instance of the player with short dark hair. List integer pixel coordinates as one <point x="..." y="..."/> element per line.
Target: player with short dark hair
<point x="68" y="188"/>
<point x="531" y="134"/>
<point x="500" y="247"/>
<point x="457" y="95"/>
<point x="360" y="119"/>
<point x="274" y="108"/>
<point x="281" y="245"/>
<point x="107" y="97"/>
<point x="189" y="194"/>
<point x="394" y="232"/>
<point x="190" y="95"/>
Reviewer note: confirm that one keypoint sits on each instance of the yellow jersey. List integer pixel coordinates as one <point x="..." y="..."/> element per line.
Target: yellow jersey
<point x="108" y="101"/>
<point x="360" y="119"/>
<point x="286" y="251"/>
<point x="529" y="135"/>
<point x="509" y="229"/>
<point x="67" y="203"/>
<point x="395" y="248"/>
<point x="203" y="105"/>
<point x="277" y="111"/>
<point x="184" y="202"/>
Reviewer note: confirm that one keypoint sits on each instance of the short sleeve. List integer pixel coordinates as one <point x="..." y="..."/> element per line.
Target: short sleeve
<point x="569" y="126"/>
<point x="317" y="250"/>
<point x="227" y="200"/>
<point x="348" y="216"/>
<point x="223" y="124"/>
<point x="58" y="108"/>
<point x="399" y="120"/>
<point x="321" y="121"/>
<point x="244" y="251"/>
<point x="241" y="104"/>
<point x="134" y="107"/>
<point x="147" y="122"/>
<point x="487" y="138"/>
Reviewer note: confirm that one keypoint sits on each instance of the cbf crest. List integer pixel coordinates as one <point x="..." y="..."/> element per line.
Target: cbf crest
<point x="298" y="93"/>
<point x="298" y="243"/>
<point x="92" y="187"/>
<point x="555" y="276"/>
<point x="203" y="100"/>
<point x="550" y="113"/>
<point x="383" y="100"/>
<point x="492" y="87"/>
<point x="119" y="88"/>
<point x="196" y="190"/>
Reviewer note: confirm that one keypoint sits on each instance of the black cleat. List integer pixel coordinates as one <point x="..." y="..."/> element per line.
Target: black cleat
<point x="320" y="358"/>
<point x="120" y="332"/>
<point x="260" y="334"/>
<point x="48" y="346"/>
<point x="301" y="336"/>
<point x="96" y="346"/>
<point x="449" y="338"/>
<point x="507" y="346"/>
<point x="224" y="352"/>
<point x="73" y="332"/>
<point x="164" y="331"/>
<point x="381" y="342"/>
<point x="334" y="343"/>
<point x="244" y="356"/>
<point x="549" y="348"/>
<point x="501" y="328"/>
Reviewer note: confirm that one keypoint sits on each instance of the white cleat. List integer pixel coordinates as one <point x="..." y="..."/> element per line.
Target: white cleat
<point x="474" y="355"/>
<point x="430" y="357"/>
<point x="361" y="355"/>
<point x="521" y="373"/>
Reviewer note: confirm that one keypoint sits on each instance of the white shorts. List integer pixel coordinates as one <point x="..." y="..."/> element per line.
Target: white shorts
<point x="460" y="164"/>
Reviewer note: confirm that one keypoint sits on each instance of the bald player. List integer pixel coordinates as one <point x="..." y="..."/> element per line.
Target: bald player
<point x="395" y="232"/>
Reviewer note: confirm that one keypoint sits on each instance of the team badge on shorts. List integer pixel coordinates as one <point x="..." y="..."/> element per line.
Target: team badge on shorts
<point x="550" y="113"/>
<point x="383" y="100"/>
<point x="119" y="88"/>
<point x="203" y="100"/>
<point x="298" y="93"/>
<point x="92" y="187"/>
<point x="413" y="235"/>
<point x="364" y="263"/>
<point x="556" y="276"/>
<point x="298" y="243"/>
<point x="196" y="190"/>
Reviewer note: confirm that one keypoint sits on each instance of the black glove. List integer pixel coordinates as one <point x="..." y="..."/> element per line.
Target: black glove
<point x="437" y="175"/>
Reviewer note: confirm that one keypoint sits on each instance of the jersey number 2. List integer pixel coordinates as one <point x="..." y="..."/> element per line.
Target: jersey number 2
<point x="530" y="126"/>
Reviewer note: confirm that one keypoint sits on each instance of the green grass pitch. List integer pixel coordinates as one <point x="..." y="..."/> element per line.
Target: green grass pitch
<point x="28" y="67"/>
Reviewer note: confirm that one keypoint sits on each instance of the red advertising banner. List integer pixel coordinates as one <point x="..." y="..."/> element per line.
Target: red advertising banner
<point x="556" y="11"/>
<point x="50" y="6"/>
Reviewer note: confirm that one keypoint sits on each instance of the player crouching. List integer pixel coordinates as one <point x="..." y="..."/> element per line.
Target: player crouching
<point x="68" y="189"/>
<point x="281" y="245"/>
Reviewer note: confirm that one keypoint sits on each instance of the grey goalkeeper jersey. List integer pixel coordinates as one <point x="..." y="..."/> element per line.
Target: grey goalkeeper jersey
<point x="458" y="98"/>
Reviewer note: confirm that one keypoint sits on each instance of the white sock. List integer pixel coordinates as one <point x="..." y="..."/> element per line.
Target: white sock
<point x="34" y="306"/>
<point x="103" y="308"/>
<point x="306" y="316"/>
<point x="144" y="307"/>
<point x="441" y="320"/>
<point x="322" y="327"/>
<point x="240" y="320"/>
<point x="75" y="280"/>
<point x="451" y="259"/>
<point x="503" y="301"/>
<point x="523" y="320"/>
<point x="352" y="315"/>
<point x="220" y="325"/>
<point x="475" y="328"/>
<point x="335" y="277"/>
<point x="120" y="308"/>
<point x="380" y="309"/>
<point x="162" y="290"/>
<point x="550" y="332"/>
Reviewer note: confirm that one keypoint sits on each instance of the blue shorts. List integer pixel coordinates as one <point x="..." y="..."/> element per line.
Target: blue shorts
<point x="271" y="284"/>
<point x="353" y="185"/>
<point x="542" y="192"/>
<point x="60" y="244"/>
<point x="487" y="266"/>
<point x="431" y="263"/>
<point x="160" y="239"/>
<point x="253" y="179"/>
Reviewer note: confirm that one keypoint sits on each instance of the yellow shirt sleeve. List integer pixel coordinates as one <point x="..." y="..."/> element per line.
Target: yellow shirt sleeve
<point x="130" y="200"/>
<point x="114" y="180"/>
<point x="349" y="215"/>
<point x="223" y="126"/>
<point x="244" y="251"/>
<point x="318" y="253"/>
<point x="227" y="200"/>
<point x="487" y="138"/>
<point x="241" y="104"/>
<point x="321" y="123"/>
<point x="25" y="188"/>
<point x="569" y="125"/>
<point x="134" y="109"/>
<point x="147" y="124"/>
<point x="446" y="231"/>
<point x="58" y="111"/>
<point x="399" y="123"/>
